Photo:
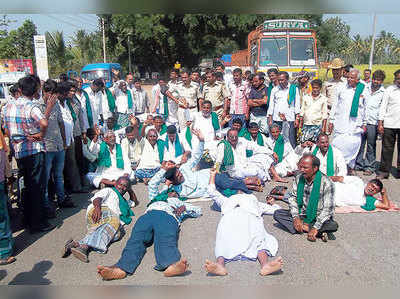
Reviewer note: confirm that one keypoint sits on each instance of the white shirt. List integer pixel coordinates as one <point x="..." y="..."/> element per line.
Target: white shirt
<point x="134" y="149"/>
<point x="169" y="153"/>
<point x="68" y="124"/>
<point x="340" y="113"/>
<point x="172" y="106"/>
<point x="279" y="104"/>
<point x="287" y="147"/>
<point x="82" y="101"/>
<point x="373" y="102"/>
<point x="96" y="100"/>
<point x="140" y="100"/>
<point x="350" y="192"/>
<point x="204" y="125"/>
<point x="157" y="99"/>
<point x="331" y="88"/>
<point x="121" y="102"/>
<point x="110" y="200"/>
<point x="150" y="158"/>
<point x="340" y="166"/>
<point x="390" y="108"/>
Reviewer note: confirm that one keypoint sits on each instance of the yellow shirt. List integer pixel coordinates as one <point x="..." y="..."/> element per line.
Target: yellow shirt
<point x="314" y="110"/>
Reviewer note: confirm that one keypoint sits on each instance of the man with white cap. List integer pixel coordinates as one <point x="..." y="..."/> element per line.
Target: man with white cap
<point x="330" y="87"/>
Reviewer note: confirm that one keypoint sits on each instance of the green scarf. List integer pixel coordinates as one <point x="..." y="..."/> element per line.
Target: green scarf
<point x="71" y="109"/>
<point x="160" y="147"/>
<point x="292" y="93"/>
<point x="163" y="129"/>
<point x="104" y="158"/>
<point x="228" y="155"/>
<point x="125" y="209"/>
<point x="116" y="127"/>
<point x="247" y="135"/>
<point x="110" y="100"/>
<point x="188" y="136"/>
<point x="166" y="111"/>
<point x="330" y="169"/>
<point x="356" y="98"/>
<point x="229" y="192"/>
<point x="130" y="102"/>
<point x="242" y="132"/>
<point x="312" y="206"/>
<point x="269" y="89"/>
<point x="279" y="147"/>
<point x="88" y="109"/>
<point x="369" y="204"/>
<point x="215" y="121"/>
<point x="178" y="145"/>
<point x="163" y="196"/>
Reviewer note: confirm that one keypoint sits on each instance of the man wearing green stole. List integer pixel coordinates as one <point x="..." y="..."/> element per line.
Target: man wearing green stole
<point x="348" y="119"/>
<point x="112" y="160"/>
<point x="105" y="217"/>
<point x="311" y="203"/>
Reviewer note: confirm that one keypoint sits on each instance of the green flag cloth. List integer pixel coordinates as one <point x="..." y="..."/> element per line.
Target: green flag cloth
<point x="242" y="132"/>
<point x="188" y="136"/>
<point x="73" y="114"/>
<point x="269" y="89"/>
<point x="178" y="145"/>
<point x="228" y="155"/>
<point x="130" y="101"/>
<point x="229" y="192"/>
<point x="166" y="111"/>
<point x="279" y="147"/>
<point x="312" y="206"/>
<point x="160" y="147"/>
<point x="88" y="109"/>
<point x="163" y="196"/>
<point x="330" y="169"/>
<point x="110" y="100"/>
<point x="246" y="134"/>
<point x="104" y="158"/>
<point x="125" y="209"/>
<point x="369" y="204"/>
<point x="292" y="93"/>
<point x="163" y="129"/>
<point x="356" y="99"/>
<point x="215" y="121"/>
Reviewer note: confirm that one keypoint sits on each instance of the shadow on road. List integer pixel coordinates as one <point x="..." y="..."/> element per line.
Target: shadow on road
<point x="3" y="273"/>
<point x="34" y="277"/>
<point x="25" y="239"/>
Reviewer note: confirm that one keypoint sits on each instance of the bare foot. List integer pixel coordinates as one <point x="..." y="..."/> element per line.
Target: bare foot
<point x="177" y="268"/>
<point x="215" y="268"/>
<point x="280" y="180"/>
<point x="110" y="273"/>
<point x="272" y="266"/>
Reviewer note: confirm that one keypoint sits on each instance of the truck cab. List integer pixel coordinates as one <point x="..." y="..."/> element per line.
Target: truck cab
<point x="91" y="72"/>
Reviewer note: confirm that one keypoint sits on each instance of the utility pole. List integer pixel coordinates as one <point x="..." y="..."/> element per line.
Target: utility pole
<point x="129" y="55"/>
<point x="104" y="40"/>
<point x="371" y="54"/>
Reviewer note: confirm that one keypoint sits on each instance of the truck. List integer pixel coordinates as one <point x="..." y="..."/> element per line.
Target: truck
<point x="288" y="45"/>
<point x="94" y="71"/>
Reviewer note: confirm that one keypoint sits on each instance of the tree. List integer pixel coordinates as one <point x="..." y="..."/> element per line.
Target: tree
<point x="22" y="39"/>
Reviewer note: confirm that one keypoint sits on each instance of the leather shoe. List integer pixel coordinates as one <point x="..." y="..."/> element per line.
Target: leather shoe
<point x="43" y="228"/>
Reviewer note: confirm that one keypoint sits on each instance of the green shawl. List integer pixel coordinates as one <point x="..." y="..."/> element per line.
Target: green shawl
<point x="73" y="114"/>
<point x="188" y="136"/>
<point x="369" y="204"/>
<point x="246" y="134"/>
<point x="160" y="147"/>
<point x="166" y="111"/>
<point x="110" y="100"/>
<point x="279" y="147"/>
<point x="163" y="129"/>
<point x="356" y="99"/>
<point x="104" y="158"/>
<point x="312" y="206"/>
<point x="330" y="169"/>
<point x="178" y="145"/>
<point x="228" y="155"/>
<point x="163" y="196"/>
<point x="215" y="121"/>
<point x="125" y="209"/>
<point x="292" y="93"/>
<point x="130" y="101"/>
<point x="88" y="109"/>
<point x="269" y="89"/>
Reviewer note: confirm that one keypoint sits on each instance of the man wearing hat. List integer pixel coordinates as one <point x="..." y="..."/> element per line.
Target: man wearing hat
<point x="330" y="88"/>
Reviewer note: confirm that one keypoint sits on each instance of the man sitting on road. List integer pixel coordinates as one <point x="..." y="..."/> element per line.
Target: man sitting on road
<point x="311" y="203"/>
<point x="105" y="217"/>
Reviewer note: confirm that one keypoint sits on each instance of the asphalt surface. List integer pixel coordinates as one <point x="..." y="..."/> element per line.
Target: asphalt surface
<point x="365" y="253"/>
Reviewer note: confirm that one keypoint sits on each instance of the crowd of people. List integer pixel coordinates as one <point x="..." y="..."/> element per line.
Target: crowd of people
<point x="213" y="135"/>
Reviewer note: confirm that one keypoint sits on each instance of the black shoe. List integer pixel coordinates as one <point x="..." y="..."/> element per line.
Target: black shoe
<point x="42" y="229"/>
<point x="67" y="204"/>
<point x="331" y="236"/>
<point x="50" y="214"/>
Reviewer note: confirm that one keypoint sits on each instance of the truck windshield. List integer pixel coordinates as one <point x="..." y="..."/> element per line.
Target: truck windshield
<point x="302" y="51"/>
<point x="273" y="51"/>
<point x="89" y="76"/>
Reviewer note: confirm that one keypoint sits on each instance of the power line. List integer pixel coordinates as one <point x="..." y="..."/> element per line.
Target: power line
<point x="78" y="19"/>
<point x="63" y="21"/>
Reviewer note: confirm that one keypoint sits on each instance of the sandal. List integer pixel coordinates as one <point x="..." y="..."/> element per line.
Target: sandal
<point x="7" y="261"/>
<point x="66" y="251"/>
<point x="80" y="253"/>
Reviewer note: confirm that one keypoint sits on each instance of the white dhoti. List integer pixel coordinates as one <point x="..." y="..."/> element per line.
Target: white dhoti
<point x="349" y="144"/>
<point x="240" y="232"/>
<point x="350" y="192"/>
<point x="256" y="166"/>
<point x="288" y="164"/>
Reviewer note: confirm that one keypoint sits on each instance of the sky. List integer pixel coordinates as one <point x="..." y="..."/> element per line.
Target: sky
<point x="359" y="23"/>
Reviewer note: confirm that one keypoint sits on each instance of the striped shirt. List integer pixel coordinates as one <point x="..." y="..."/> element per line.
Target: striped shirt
<point x="21" y="118"/>
<point x="239" y="94"/>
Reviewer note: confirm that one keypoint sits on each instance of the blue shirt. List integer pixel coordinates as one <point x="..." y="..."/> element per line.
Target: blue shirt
<point x="257" y="93"/>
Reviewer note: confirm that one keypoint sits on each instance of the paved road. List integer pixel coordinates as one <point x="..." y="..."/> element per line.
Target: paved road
<point x="365" y="253"/>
